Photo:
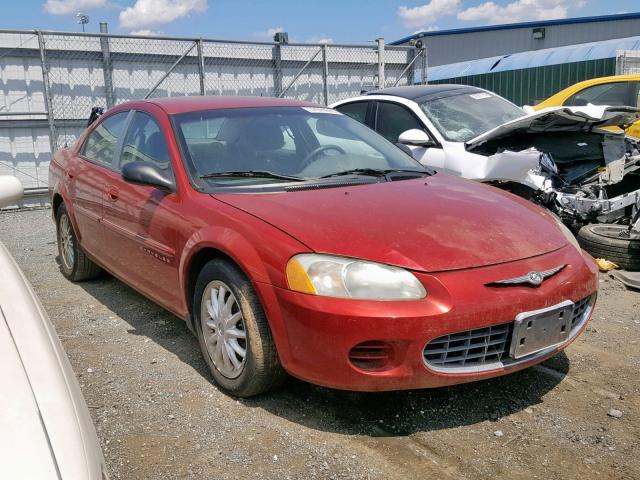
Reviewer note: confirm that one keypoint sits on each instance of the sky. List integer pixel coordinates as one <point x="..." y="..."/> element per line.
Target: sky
<point x="332" y="21"/>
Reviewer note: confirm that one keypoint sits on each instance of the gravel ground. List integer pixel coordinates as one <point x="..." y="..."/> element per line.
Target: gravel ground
<point x="158" y="415"/>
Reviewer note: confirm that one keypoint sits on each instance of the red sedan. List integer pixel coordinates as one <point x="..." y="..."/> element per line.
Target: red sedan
<point x="293" y="239"/>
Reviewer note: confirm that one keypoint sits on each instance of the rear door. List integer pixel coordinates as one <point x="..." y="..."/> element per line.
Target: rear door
<point x="360" y="111"/>
<point x="88" y="174"/>
<point x="140" y="221"/>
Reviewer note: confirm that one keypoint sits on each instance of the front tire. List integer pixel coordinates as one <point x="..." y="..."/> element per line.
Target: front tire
<point x="233" y="331"/>
<point x="74" y="263"/>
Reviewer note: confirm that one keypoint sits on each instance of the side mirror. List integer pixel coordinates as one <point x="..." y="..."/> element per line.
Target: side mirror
<point x="146" y="173"/>
<point x="10" y="190"/>
<point x="415" y="137"/>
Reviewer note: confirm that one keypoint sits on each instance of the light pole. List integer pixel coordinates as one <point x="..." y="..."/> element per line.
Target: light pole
<point x="83" y="19"/>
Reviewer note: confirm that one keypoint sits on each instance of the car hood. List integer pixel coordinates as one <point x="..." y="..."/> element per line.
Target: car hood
<point x="429" y="224"/>
<point x="42" y="413"/>
<point x="560" y="119"/>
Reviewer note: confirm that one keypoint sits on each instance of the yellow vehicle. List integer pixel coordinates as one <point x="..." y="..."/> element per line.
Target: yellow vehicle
<point x="617" y="90"/>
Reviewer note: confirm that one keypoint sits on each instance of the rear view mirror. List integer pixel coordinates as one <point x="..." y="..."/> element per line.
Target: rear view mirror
<point x="146" y="173"/>
<point x="415" y="137"/>
<point x="10" y="190"/>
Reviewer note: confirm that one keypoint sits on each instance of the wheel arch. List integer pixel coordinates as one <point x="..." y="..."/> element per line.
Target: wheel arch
<point x="56" y="201"/>
<point x="196" y="263"/>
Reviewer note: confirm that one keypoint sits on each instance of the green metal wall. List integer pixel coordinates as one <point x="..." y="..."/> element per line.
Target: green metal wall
<point x="529" y="86"/>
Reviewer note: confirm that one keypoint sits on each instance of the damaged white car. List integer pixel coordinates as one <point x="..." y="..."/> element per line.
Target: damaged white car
<point x="565" y="159"/>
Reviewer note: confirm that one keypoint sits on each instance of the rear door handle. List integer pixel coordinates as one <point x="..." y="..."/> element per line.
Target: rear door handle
<point x="113" y="194"/>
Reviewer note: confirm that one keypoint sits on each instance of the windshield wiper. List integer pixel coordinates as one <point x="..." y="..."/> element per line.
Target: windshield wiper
<point x="252" y="174"/>
<point x="374" y="172"/>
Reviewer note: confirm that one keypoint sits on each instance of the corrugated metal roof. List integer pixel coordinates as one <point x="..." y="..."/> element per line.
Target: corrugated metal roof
<point x="510" y="26"/>
<point x="536" y="58"/>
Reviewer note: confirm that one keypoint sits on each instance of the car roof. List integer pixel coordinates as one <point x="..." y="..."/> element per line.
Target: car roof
<point x="426" y="92"/>
<point x="174" y="105"/>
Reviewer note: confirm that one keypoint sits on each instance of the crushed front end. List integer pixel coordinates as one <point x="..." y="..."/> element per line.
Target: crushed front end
<point x="586" y="169"/>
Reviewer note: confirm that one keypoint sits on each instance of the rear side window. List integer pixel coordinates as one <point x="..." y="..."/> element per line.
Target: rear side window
<point x="103" y="140"/>
<point x="615" y="94"/>
<point x="145" y="142"/>
<point x="356" y="110"/>
<point x="393" y="119"/>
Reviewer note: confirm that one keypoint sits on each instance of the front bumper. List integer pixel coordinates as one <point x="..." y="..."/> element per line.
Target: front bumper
<point x="610" y="208"/>
<point x="315" y="335"/>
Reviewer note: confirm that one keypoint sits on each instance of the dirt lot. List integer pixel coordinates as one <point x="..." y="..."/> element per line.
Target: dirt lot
<point x="158" y="415"/>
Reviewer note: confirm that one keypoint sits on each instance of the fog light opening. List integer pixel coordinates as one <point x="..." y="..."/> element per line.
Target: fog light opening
<point x="371" y="355"/>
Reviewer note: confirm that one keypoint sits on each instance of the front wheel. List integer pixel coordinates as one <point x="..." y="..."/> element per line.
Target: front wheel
<point x="74" y="263"/>
<point x="233" y="331"/>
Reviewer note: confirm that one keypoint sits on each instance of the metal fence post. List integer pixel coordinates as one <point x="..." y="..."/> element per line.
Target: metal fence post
<point x="411" y="73"/>
<point x="381" y="81"/>
<point x="424" y="65"/>
<point x="106" y="66"/>
<point x="409" y="69"/>
<point x="325" y="74"/>
<point x="171" y="69"/>
<point x="47" y="93"/>
<point x="201" y="67"/>
<point x="300" y="72"/>
<point x="277" y="67"/>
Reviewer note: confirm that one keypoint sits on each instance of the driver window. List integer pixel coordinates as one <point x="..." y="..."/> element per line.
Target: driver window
<point x="614" y="94"/>
<point x="329" y="133"/>
<point x="145" y="142"/>
<point x="393" y="119"/>
<point x="289" y="139"/>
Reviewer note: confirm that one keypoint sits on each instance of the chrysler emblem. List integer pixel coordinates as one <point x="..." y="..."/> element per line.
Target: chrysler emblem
<point x="534" y="279"/>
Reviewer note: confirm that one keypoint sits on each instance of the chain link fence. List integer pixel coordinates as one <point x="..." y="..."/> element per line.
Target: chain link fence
<point x="628" y="62"/>
<point x="49" y="81"/>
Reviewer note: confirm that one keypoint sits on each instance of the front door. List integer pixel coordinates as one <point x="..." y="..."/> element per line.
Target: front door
<point x="140" y="221"/>
<point x="392" y="119"/>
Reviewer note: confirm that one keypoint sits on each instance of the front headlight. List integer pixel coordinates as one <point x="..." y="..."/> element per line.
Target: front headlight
<point x="343" y="277"/>
<point x="567" y="233"/>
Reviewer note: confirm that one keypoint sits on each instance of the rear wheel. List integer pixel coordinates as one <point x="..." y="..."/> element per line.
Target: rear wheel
<point x="233" y="331"/>
<point x="611" y="242"/>
<point x="74" y="263"/>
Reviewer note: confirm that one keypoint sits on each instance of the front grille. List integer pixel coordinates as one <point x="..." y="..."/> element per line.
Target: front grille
<point x="473" y="347"/>
<point x="482" y="347"/>
<point x="580" y="308"/>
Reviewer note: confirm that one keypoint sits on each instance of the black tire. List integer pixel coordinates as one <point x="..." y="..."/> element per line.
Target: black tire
<point x="262" y="370"/>
<point x="80" y="267"/>
<point x="611" y="242"/>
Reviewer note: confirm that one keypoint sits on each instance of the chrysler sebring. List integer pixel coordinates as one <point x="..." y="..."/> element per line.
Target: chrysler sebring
<point x="293" y="239"/>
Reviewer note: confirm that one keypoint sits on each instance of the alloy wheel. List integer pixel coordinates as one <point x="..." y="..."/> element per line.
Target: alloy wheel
<point x="223" y="329"/>
<point x="66" y="242"/>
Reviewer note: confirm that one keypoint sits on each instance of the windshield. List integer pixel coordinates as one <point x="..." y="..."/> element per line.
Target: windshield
<point x="250" y="146"/>
<point x="460" y="118"/>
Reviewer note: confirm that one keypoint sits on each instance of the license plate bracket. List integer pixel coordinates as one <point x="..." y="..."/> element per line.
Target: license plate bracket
<point x="539" y="330"/>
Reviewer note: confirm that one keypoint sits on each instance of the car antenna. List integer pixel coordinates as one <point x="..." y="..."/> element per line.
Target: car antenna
<point x="96" y="112"/>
